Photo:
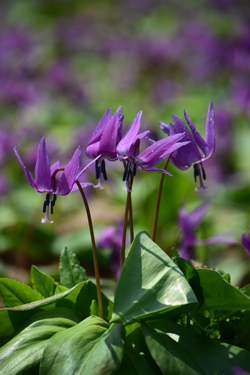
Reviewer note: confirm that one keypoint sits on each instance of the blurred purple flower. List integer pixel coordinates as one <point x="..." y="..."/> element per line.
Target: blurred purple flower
<point x="111" y="238"/>
<point x="188" y="223"/>
<point x="191" y="154"/>
<point x="128" y="151"/>
<point x="104" y="141"/>
<point x="246" y="241"/>
<point x="45" y="177"/>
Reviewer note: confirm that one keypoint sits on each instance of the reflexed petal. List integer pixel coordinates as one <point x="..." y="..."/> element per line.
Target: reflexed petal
<point x="224" y="238"/>
<point x="108" y="142"/>
<point x="155" y="170"/>
<point x="120" y="121"/>
<point x="130" y="137"/>
<point x="68" y="177"/>
<point x="27" y="173"/>
<point x="100" y="127"/>
<point x="210" y="130"/>
<point x="42" y="169"/>
<point x="197" y="137"/>
<point x="168" y="129"/>
<point x="87" y="166"/>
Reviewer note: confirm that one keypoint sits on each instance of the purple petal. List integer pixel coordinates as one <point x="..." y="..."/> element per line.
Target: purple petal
<point x="155" y="170"/>
<point x="167" y="128"/>
<point x="196" y="215"/>
<point x="87" y="166"/>
<point x="68" y="177"/>
<point x="189" y="154"/>
<point x="120" y="121"/>
<point x="246" y="243"/>
<point x="90" y="150"/>
<point x="42" y="169"/>
<point x="197" y="137"/>
<point x="55" y="166"/>
<point x="223" y="238"/>
<point x="27" y="173"/>
<point x="130" y="137"/>
<point x="108" y="142"/>
<point x="210" y="130"/>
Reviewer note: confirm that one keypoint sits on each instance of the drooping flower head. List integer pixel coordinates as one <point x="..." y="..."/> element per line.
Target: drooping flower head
<point x="246" y="241"/>
<point x="197" y="150"/>
<point x="104" y="141"/>
<point x="46" y="179"/>
<point x="188" y="223"/>
<point x="128" y="151"/>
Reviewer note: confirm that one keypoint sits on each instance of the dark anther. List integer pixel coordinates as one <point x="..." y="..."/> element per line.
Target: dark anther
<point x="129" y="174"/>
<point x="125" y="173"/>
<point x="51" y="208"/>
<point x="53" y="202"/>
<point x="196" y="171"/>
<point x="131" y="177"/>
<point x="134" y="170"/>
<point x="103" y="170"/>
<point x="44" y="206"/>
<point x="97" y="169"/>
<point x="203" y="172"/>
<point x="47" y="199"/>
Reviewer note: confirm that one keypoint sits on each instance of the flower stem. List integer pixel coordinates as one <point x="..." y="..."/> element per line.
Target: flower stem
<point x="97" y="277"/>
<point x="131" y="224"/>
<point x="158" y="200"/>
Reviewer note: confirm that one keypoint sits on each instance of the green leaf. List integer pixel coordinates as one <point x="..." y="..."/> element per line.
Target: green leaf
<point x="191" y="275"/>
<point x="246" y="290"/>
<point x="149" y="283"/>
<point x="12" y="318"/>
<point x="102" y="353"/>
<point x="174" y="253"/>
<point x="139" y="355"/>
<point x="219" y="295"/>
<point x="71" y="273"/>
<point x="84" y="300"/>
<point x="243" y="332"/>
<point x="16" y="294"/>
<point x="23" y="353"/>
<point x="94" y="308"/>
<point x="168" y="354"/>
<point x="43" y="283"/>
<point x="168" y="339"/>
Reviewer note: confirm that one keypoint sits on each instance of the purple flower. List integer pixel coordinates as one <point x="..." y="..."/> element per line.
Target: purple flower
<point x="197" y="150"/>
<point x="45" y="177"/>
<point x="128" y="151"/>
<point x="104" y="141"/>
<point x="188" y="223"/>
<point x="246" y="241"/>
<point x="111" y="238"/>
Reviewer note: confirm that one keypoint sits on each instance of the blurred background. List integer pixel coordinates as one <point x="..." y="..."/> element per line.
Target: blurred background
<point x="64" y="63"/>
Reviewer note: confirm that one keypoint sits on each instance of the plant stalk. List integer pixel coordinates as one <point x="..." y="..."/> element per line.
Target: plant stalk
<point x="97" y="277"/>
<point x="158" y="200"/>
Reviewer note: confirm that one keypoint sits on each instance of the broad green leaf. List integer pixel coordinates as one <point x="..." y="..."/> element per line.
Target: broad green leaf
<point x="168" y="354"/>
<point x="84" y="300"/>
<point x="139" y="355"/>
<point x="246" y="290"/>
<point x="194" y="349"/>
<point x="243" y="332"/>
<point x="149" y="283"/>
<point x="90" y="348"/>
<point x="71" y="273"/>
<point x="191" y="275"/>
<point x="174" y="253"/>
<point x="12" y="318"/>
<point x="43" y="283"/>
<point x="60" y="289"/>
<point x="219" y="295"/>
<point x="23" y="353"/>
<point x="16" y="294"/>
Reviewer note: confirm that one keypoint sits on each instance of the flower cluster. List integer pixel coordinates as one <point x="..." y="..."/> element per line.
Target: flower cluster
<point x="108" y="143"/>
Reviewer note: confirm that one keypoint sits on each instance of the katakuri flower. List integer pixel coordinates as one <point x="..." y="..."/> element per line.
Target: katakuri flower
<point x="104" y="141"/>
<point x="45" y="177"/>
<point x="197" y="150"/>
<point x="188" y="223"/>
<point x="246" y="241"/>
<point x="128" y="151"/>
